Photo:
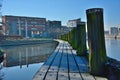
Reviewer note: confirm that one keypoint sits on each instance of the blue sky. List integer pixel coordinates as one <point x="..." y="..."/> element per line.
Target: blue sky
<point x="63" y="10"/>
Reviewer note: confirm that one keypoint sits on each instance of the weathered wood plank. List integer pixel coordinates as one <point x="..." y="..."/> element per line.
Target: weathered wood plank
<point x="63" y="70"/>
<point x="82" y="66"/>
<point x="51" y="76"/>
<point x="85" y="60"/>
<point x="73" y="69"/>
<point x="68" y="46"/>
<point x="50" y="59"/>
<point x="72" y="65"/>
<point x="87" y="76"/>
<point x="63" y="64"/>
<point x="40" y="75"/>
<point x="100" y="78"/>
<point x="63" y="76"/>
<point x="53" y="70"/>
<point x="75" y="76"/>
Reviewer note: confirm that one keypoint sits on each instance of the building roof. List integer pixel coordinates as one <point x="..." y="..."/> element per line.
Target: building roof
<point x="22" y="16"/>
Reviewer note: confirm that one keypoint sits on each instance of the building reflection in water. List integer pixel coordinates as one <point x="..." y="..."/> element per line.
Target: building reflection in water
<point x="27" y="54"/>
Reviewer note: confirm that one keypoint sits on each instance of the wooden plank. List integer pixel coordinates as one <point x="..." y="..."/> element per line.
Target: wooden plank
<point x="61" y="47"/>
<point x="64" y="63"/>
<point x="58" y="57"/>
<point x="100" y="78"/>
<point x="40" y="75"/>
<point x="85" y="60"/>
<point x="63" y="70"/>
<point x="53" y="55"/>
<point x="72" y="64"/>
<point x="63" y="76"/>
<point x="69" y="51"/>
<point x="53" y="70"/>
<point x="75" y="76"/>
<point x="82" y="66"/>
<point x="50" y="59"/>
<point x="87" y="76"/>
<point x="51" y="76"/>
<point x="66" y="46"/>
<point x="73" y="69"/>
<point x="43" y="70"/>
<point x="69" y="47"/>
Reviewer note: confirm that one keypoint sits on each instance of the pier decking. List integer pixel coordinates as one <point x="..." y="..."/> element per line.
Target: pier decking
<point x="64" y="64"/>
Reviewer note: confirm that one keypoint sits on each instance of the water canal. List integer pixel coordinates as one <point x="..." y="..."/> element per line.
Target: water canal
<point x="113" y="48"/>
<point x="22" y="62"/>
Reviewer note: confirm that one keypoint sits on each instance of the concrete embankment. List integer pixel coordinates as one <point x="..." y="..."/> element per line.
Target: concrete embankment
<point x="23" y="42"/>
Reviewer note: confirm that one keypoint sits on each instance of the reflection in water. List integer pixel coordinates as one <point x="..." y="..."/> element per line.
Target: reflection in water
<point x="24" y="61"/>
<point x="25" y="55"/>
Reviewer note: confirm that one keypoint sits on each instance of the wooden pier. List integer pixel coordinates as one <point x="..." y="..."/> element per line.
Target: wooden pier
<point x="64" y="64"/>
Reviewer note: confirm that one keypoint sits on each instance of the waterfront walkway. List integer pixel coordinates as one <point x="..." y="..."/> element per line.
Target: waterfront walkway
<point x="64" y="64"/>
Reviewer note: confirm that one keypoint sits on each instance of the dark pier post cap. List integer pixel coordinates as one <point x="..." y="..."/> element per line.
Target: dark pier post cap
<point x="94" y="10"/>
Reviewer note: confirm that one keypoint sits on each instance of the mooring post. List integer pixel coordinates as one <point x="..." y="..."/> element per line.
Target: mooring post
<point x="66" y="37"/>
<point x="62" y="36"/>
<point x="81" y="38"/>
<point x="70" y="37"/>
<point x="96" y="41"/>
<point x="73" y="36"/>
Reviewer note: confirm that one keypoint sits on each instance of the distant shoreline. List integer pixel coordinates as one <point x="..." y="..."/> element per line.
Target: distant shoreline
<point x="112" y="36"/>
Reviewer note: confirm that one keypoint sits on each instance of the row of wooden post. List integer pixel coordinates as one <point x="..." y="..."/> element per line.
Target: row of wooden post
<point x="77" y="38"/>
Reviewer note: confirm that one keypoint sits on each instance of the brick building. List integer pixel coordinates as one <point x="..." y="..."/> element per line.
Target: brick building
<point x="23" y="26"/>
<point x="53" y="28"/>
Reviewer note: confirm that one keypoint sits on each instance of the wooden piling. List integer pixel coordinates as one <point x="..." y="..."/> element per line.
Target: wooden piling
<point x="73" y="38"/>
<point x="81" y="38"/>
<point x="96" y="41"/>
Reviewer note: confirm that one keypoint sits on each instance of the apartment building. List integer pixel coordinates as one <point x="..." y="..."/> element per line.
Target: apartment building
<point x="73" y="23"/>
<point x="53" y="28"/>
<point x="23" y="26"/>
<point x="114" y="31"/>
